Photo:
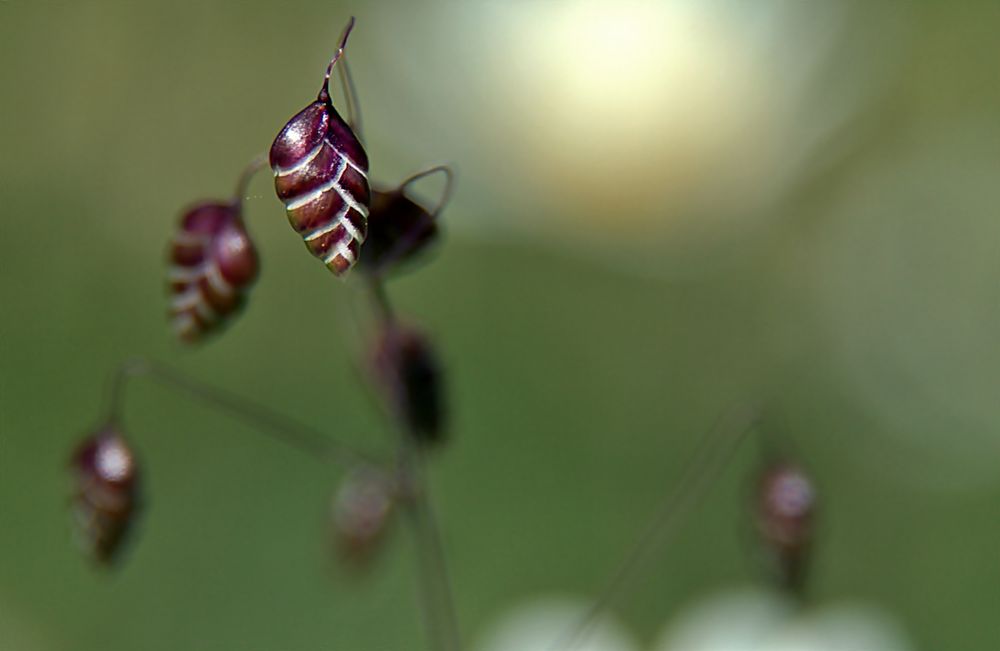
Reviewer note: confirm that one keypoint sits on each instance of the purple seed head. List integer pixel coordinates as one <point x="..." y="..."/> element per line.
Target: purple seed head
<point x="785" y="518"/>
<point x="105" y="496"/>
<point x="213" y="264"/>
<point x="410" y="377"/>
<point x="361" y="513"/>
<point x="399" y="230"/>
<point x="321" y="175"/>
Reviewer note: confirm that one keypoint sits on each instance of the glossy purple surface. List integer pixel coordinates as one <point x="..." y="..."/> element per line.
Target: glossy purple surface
<point x="321" y="172"/>
<point x="301" y="135"/>
<point x="342" y="137"/>
<point x="322" y="168"/>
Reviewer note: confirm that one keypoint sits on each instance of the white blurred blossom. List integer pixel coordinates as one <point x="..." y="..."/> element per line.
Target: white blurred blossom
<point x="538" y="624"/>
<point x="739" y="620"/>
<point x="754" y="620"/>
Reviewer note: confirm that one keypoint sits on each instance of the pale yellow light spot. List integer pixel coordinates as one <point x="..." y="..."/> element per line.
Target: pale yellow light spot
<point x="640" y="108"/>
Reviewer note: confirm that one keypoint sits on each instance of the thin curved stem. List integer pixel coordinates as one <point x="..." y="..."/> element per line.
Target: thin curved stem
<point x="324" y="91"/>
<point x="436" y="598"/>
<point x="427" y="221"/>
<point x="275" y="425"/>
<point x="254" y="166"/>
<point x="712" y="456"/>
<point x="773" y="439"/>
<point x="380" y="300"/>
<point x="435" y="583"/>
<point x="448" y="184"/>
<point x="351" y="97"/>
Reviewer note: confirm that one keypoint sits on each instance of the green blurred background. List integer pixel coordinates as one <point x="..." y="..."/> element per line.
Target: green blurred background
<point x="663" y="209"/>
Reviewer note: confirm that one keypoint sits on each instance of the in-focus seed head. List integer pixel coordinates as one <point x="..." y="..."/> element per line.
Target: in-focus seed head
<point x="321" y="175"/>
<point x="785" y="518"/>
<point x="213" y="265"/>
<point x="105" y="495"/>
<point x="399" y="230"/>
<point x="410" y="378"/>
<point x="361" y="513"/>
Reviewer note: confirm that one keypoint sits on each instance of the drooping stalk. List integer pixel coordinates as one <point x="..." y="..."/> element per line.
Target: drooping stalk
<point x="272" y="424"/>
<point x="438" y="606"/>
<point x="710" y="459"/>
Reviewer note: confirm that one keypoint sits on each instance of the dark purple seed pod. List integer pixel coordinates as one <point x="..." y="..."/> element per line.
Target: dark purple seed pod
<point x="785" y="519"/>
<point x="410" y="377"/>
<point x="361" y="514"/>
<point x="321" y="175"/>
<point x="105" y="497"/>
<point x="400" y="227"/>
<point x="213" y="264"/>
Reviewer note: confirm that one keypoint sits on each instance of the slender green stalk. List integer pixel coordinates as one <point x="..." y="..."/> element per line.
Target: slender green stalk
<point x="712" y="456"/>
<point x="273" y="424"/>
<point x="436" y="598"/>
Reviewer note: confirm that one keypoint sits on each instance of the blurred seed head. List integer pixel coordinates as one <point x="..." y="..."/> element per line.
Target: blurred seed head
<point x="762" y="620"/>
<point x="536" y="625"/>
<point x="399" y="230"/>
<point x="361" y="514"/>
<point x="785" y="518"/>
<point x="213" y="264"/>
<point x="105" y="494"/>
<point x="409" y="375"/>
